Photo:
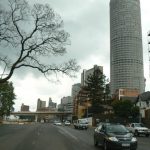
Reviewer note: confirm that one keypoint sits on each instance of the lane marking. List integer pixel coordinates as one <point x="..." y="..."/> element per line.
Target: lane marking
<point x="64" y="132"/>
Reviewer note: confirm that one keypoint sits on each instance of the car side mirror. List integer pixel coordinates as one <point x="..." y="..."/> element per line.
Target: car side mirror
<point x="102" y="131"/>
<point x="96" y="130"/>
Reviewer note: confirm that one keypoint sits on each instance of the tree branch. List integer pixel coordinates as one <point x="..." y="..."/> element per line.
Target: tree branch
<point x="45" y="38"/>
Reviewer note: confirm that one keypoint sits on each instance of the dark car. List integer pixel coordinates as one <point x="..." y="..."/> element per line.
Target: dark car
<point x="114" y="137"/>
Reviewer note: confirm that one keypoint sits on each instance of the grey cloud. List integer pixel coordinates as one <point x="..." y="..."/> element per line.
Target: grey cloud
<point x="88" y="28"/>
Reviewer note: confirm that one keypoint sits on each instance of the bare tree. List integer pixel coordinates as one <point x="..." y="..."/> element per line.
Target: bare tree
<point x="33" y="33"/>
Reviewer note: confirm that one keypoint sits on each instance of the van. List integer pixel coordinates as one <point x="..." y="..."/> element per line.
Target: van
<point x="81" y="124"/>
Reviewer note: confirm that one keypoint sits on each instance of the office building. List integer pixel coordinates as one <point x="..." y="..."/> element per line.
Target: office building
<point x="51" y="104"/>
<point x="24" y="107"/>
<point x="41" y="104"/>
<point x="86" y="73"/>
<point x="67" y="104"/>
<point x="75" y="89"/>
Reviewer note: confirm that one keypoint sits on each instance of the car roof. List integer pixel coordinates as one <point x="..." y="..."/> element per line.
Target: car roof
<point x="109" y="124"/>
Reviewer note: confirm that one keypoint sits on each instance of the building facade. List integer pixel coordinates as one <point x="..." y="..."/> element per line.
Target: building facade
<point x="51" y="104"/>
<point x="75" y="89"/>
<point x="126" y="52"/>
<point x="127" y="94"/>
<point x="86" y="73"/>
<point x="24" y="107"/>
<point x="67" y="104"/>
<point x="143" y="102"/>
<point x="40" y="104"/>
<point x="74" y="94"/>
<point x="81" y="98"/>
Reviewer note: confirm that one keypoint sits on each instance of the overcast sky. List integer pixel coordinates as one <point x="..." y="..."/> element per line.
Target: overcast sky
<point x="87" y="21"/>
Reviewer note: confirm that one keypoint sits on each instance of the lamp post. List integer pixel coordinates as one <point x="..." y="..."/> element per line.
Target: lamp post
<point x="87" y="110"/>
<point x="140" y="105"/>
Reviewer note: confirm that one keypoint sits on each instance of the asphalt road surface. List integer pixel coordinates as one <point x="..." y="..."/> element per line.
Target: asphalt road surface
<point x="50" y="137"/>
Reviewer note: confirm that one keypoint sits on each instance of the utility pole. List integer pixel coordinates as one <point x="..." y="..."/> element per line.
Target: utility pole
<point x="87" y="110"/>
<point x="149" y="50"/>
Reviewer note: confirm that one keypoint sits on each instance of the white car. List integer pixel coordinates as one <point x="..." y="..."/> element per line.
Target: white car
<point x="67" y="123"/>
<point x="57" y="123"/>
<point x="138" y="129"/>
<point x="81" y="124"/>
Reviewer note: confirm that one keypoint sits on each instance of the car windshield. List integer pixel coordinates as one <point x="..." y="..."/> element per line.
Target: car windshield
<point x="116" y="129"/>
<point x="83" y="121"/>
<point x="138" y="125"/>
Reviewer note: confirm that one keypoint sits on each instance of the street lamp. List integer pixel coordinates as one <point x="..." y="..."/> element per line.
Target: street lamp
<point x="87" y="110"/>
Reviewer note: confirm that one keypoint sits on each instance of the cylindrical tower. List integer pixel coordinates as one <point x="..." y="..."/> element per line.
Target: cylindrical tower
<point x="126" y="52"/>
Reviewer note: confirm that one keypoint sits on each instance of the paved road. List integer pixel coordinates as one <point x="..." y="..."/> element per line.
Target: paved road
<point x="50" y="137"/>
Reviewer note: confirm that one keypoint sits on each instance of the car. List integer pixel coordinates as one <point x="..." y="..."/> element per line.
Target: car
<point x="138" y="129"/>
<point x="67" y="123"/>
<point x="81" y="124"/>
<point x="100" y="123"/>
<point x="57" y="123"/>
<point x="114" y="136"/>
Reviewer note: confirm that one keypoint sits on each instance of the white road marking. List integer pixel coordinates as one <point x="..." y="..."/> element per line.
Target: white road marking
<point x="64" y="132"/>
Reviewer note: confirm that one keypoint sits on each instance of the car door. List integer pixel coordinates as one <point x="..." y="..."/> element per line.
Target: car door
<point x="97" y="132"/>
<point x="100" y="134"/>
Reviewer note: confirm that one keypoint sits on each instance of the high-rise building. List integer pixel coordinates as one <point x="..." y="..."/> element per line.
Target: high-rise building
<point x="126" y="50"/>
<point x="40" y="104"/>
<point x="75" y="89"/>
<point x="86" y="73"/>
<point x="51" y="104"/>
<point x="67" y="104"/>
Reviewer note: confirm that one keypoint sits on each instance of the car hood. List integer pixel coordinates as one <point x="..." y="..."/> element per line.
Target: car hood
<point x="120" y="135"/>
<point x="141" y="128"/>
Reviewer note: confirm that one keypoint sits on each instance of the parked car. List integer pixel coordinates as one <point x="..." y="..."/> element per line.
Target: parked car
<point x="100" y="123"/>
<point x="67" y="123"/>
<point x="81" y="124"/>
<point x="114" y="137"/>
<point x="138" y="129"/>
<point x="57" y="123"/>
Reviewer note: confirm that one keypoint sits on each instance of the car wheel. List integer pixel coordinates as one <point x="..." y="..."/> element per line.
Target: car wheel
<point x="147" y="135"/>
<point x="95" y="142"/>
<point x="136" y="133"/>
<point x="105" y="147"/>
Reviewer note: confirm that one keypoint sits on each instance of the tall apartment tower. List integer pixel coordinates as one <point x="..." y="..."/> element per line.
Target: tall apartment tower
<point x="126" y="50"/>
